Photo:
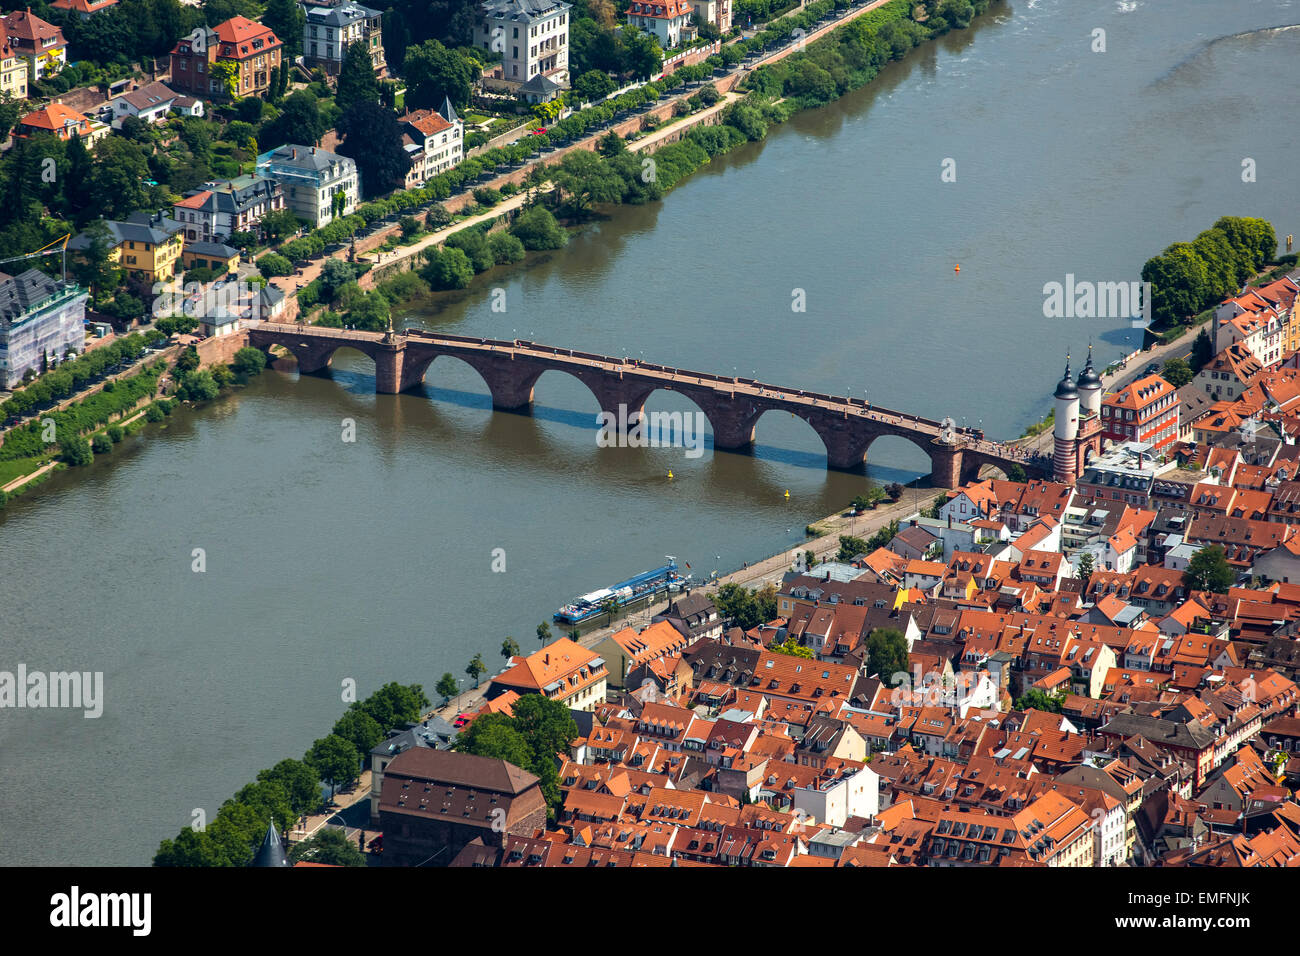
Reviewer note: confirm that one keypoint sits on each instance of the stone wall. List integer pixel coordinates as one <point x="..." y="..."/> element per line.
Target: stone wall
<point x="220" y="350"/>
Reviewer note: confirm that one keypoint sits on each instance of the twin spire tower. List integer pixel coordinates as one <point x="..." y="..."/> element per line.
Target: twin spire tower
<point x="1077" y="429"/>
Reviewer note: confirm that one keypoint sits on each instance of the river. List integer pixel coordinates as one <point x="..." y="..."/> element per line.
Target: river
<point x="372" y="560"/>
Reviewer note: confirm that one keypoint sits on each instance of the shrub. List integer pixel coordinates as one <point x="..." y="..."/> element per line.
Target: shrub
<point x="273" y="264"/>
<point x="115" y="433"/>
<point x="538" y="229"/>
<point x="101" y="445"/>
<point x="448" y="269"/>
<point x="75" y="450"/>
<point x="153" y="413"/>
<point x="475" y="246"/>
<point x="505" y="247"/>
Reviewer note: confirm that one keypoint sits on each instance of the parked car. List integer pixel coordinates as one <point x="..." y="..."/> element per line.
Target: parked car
<point x="461" y="720"/>
<point x="1152" y="369"/>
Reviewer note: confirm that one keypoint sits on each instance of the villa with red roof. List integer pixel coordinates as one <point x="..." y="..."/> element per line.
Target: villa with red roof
<point x="669" y="20"/>
<point x="243" y="53"/>
<point x="38" y="43"/>
<point x="64" y="122"/>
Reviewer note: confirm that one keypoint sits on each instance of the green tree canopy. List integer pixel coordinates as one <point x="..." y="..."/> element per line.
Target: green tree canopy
<point x="886" y="653"/>
<point x="330" y="846"/>
<point x="1177" y="372"/>
<point x="1209" y="570"/>
<point x="336" y="760"/>
<point x="433" y="71"/>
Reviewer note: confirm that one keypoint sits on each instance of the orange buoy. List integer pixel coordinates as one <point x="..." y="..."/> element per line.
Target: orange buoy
<point x="956" y="268"/>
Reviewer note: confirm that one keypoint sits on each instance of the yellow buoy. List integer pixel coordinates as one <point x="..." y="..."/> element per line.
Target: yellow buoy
<point x="670" y="474"/>
<point x="787" y="492"/>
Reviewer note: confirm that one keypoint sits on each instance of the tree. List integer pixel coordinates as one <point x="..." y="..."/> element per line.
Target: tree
<point x="336" y="761"/>
<point x="586" y="178"/>
<point x="101" y="445"/>
<point x="1208" y="570"/>
<point x="476" y="668"/>
<point x="75" y="450"/>
<point x="10" y="112"/>
<point x="300" y="781"/>
<point x="448" y="269"/>
<point x="851" y="547"/>
<point x="610" y="607"/>
<point x="792" y="648"/>
<point x="494" y="735"/>
<point x="372" y="312"/>
<point x="544" y="633"/>
<point x="373" y="140"/>
<point x="118" y="186"/>
<point x="395" y="704"/>
<point x="1085" y="568"/>
<point x="505" y="248"/>
<point x="248" y="361"/>
<point x="335" y="274"/>
<point x="226" y="72"/>
<point x="640" y="53"/>
<point x="1177" y="372"/>
<point x="198" y="386"/>
<point x="92" y="266"/>
<point x="886" y="653"/>
<point x="330" y="846"/>
<point x="1179" y="281"/>
<point x="285" y="18"/>
<point x="1035" y="699"/>
<point x="300" y="121"/>
<point x="432" y="71"/>
<point x="509" y="648"/>
<point x="539" y="730"/>
<point x="594" y="85"/>
<point x="537" y="229"/>
<point x="447" y="687"/>
<point x="356" y="83"/>
<point x="359" y="729"/>
<point x="746" y="608"/>
<point x="1202" y="350"/>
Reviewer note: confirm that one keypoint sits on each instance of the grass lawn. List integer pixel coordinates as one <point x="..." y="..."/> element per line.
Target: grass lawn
<point x="9" y="470"/>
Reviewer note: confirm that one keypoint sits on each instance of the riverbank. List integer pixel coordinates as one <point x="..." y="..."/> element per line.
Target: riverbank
<point x="794" y="42"/>
<point x="754" y="575"/>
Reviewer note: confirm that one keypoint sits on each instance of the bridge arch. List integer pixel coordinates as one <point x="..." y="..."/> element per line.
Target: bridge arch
<point x="790" y="430"/>
<point x="905" y="454"/>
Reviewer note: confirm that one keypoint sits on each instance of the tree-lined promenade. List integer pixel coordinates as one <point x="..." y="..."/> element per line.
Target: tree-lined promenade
<point x="843" y="47"/>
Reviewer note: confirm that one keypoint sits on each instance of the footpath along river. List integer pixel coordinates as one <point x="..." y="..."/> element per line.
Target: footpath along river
<point x="372" y="560"/>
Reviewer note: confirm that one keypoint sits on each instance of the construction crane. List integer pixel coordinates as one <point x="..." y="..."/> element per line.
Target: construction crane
<point x="47" y="250"/>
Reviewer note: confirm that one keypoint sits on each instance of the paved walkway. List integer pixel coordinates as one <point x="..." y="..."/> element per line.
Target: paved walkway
<point x="342" y="802"/>
<point x="30" y="476"/>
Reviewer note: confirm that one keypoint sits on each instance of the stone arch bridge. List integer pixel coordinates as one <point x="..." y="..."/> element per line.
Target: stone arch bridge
<point x="732" y="405"/>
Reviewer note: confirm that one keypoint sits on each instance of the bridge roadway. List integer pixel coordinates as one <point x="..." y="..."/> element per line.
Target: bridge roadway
<point x="732" y="405"/>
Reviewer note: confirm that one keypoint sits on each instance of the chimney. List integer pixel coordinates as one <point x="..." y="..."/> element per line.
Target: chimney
<point x="294" y="154"/>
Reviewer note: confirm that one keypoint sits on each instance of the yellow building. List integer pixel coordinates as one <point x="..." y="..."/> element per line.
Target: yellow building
<point x="146" y="250"/>
<point x="209" y="255"/>
<point x="13" y="72"/>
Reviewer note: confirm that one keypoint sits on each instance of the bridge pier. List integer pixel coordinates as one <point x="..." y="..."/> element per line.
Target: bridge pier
<point x="389" y="361"/>
<point x="946" y="465"/>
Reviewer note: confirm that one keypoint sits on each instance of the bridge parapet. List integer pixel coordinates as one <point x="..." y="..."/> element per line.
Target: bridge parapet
<point x="732" y="404"/>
